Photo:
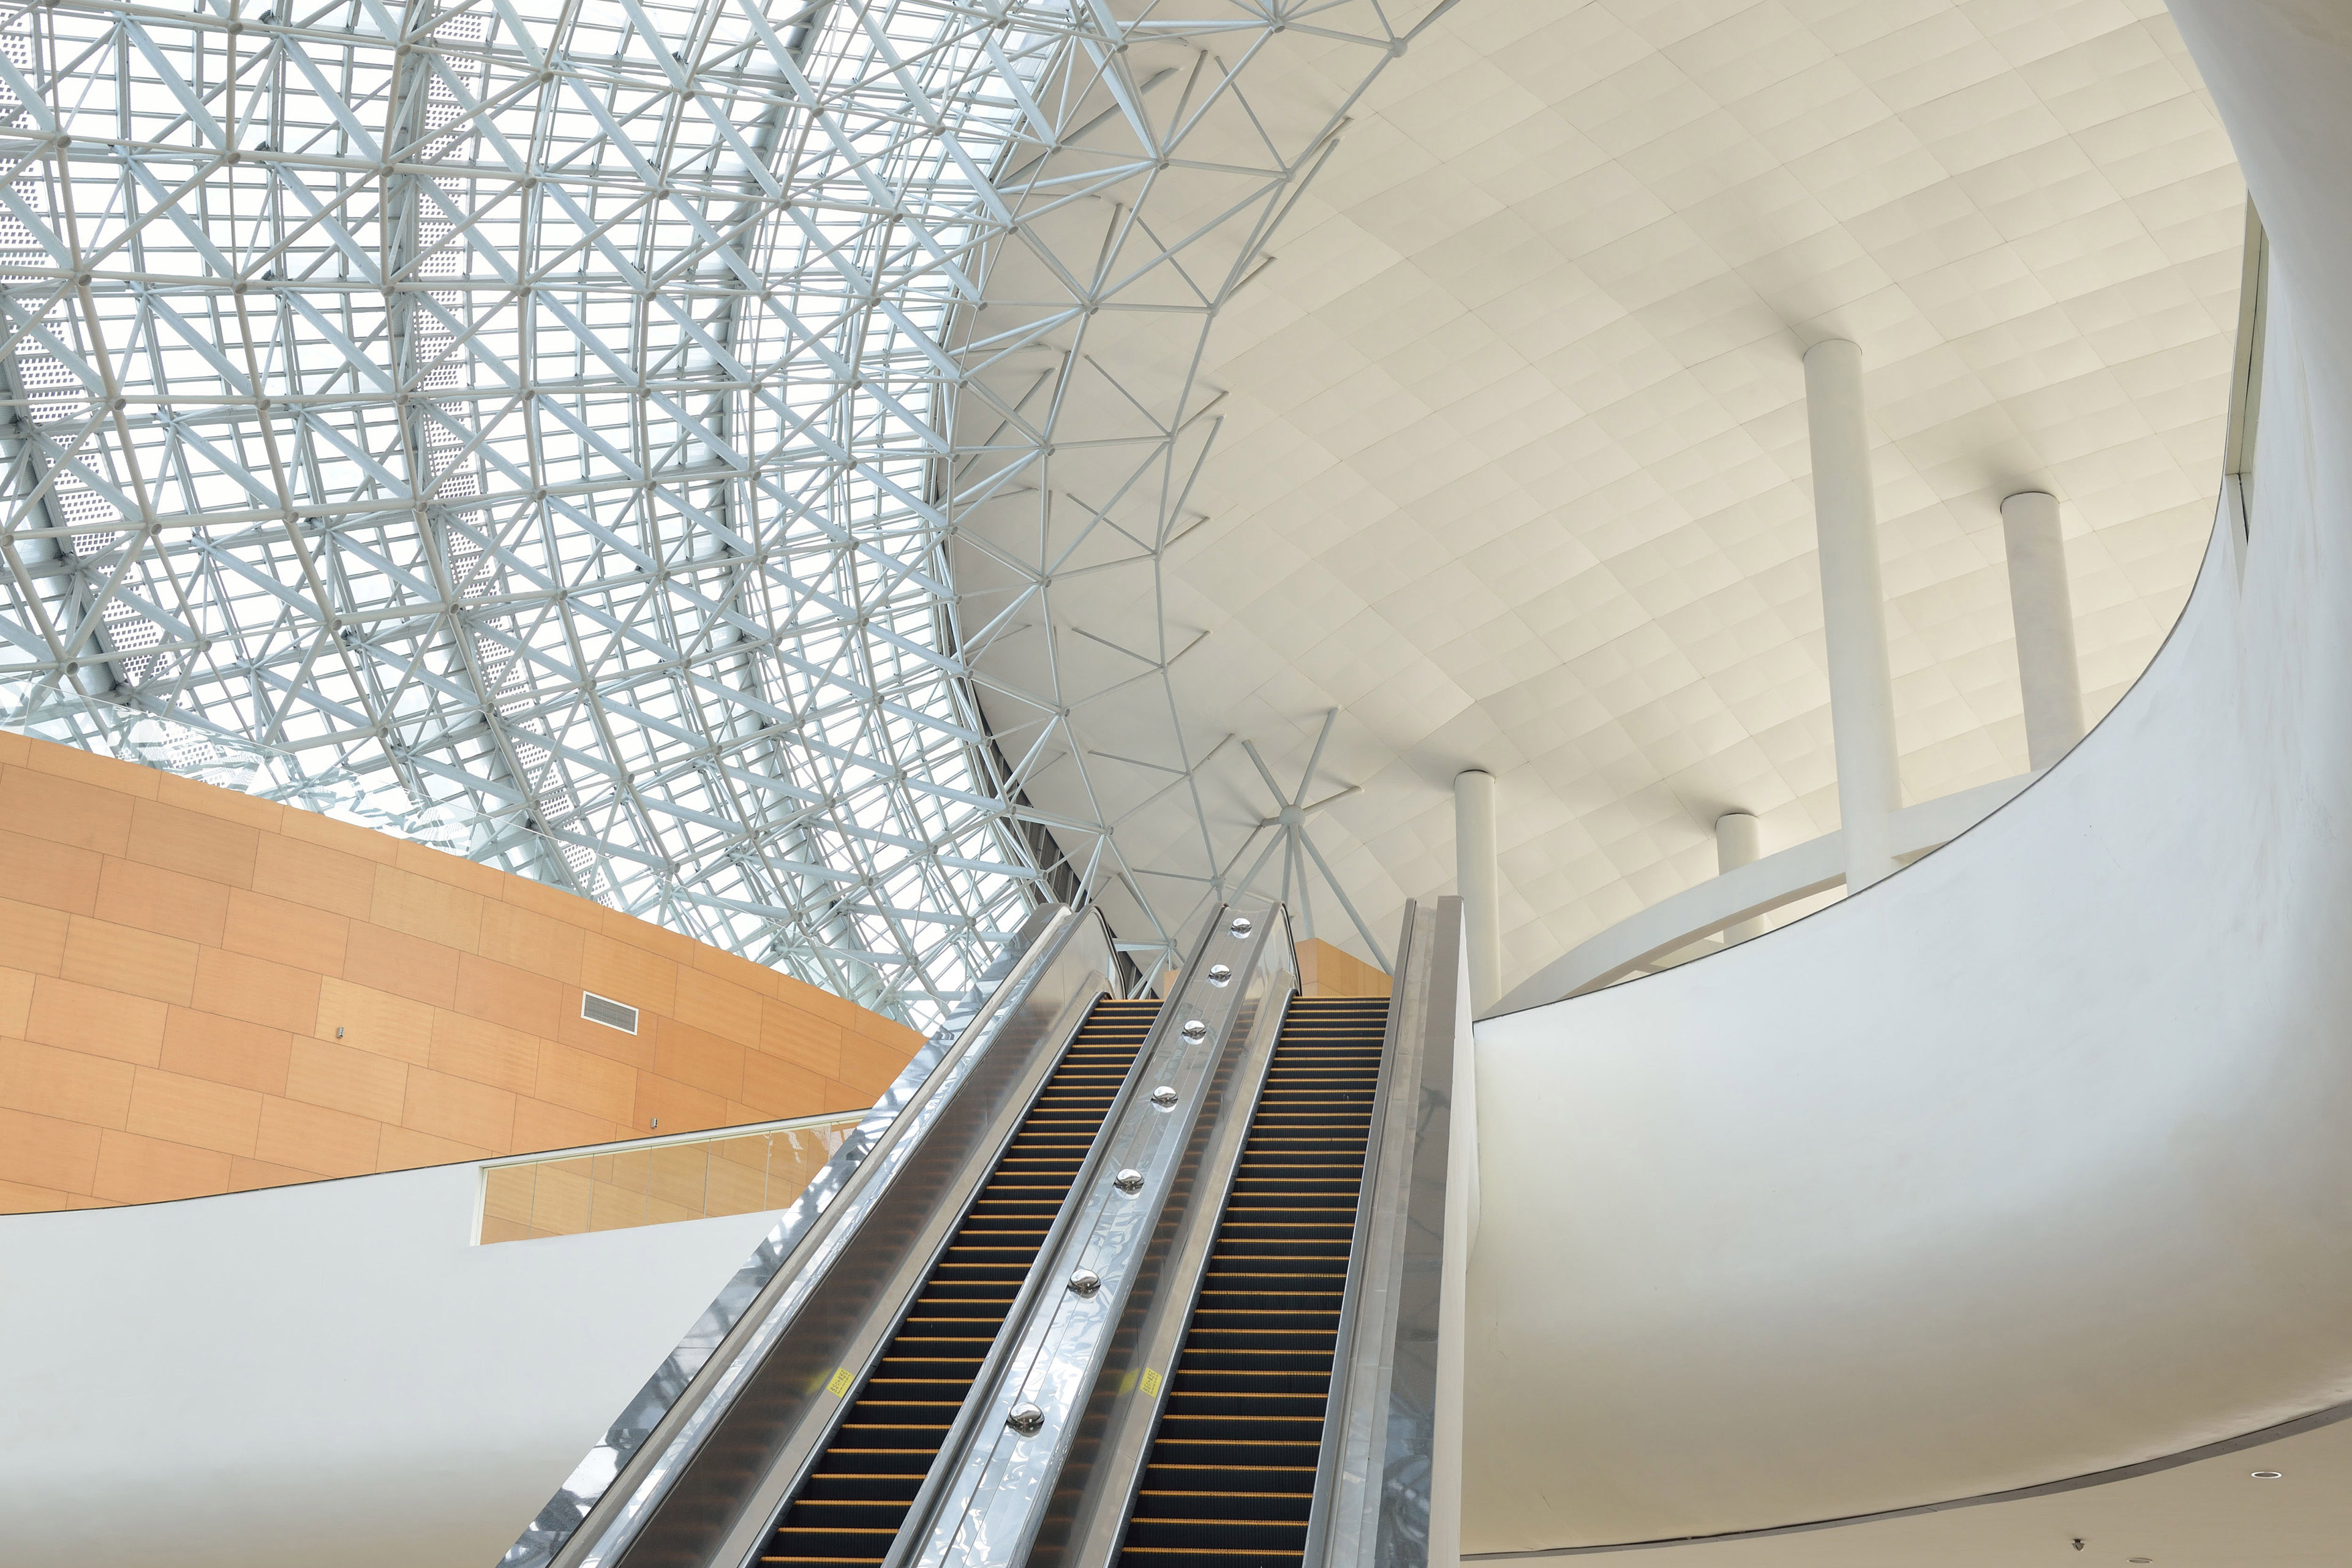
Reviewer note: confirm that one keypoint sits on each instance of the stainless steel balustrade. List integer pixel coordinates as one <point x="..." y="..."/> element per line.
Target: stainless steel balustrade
<point x="749" y="1382"/>
<point x="1068" y="1362"/>
<point x="1088" y="1514"/>
<point x="1374" y="1494"/>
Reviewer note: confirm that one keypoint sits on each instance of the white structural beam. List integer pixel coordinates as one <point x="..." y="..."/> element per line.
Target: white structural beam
<point x="1853" y="610"/>
<point x="1738" y="841"/>
<point x="1477" y="878"/>
<point x="2047" y="670"/>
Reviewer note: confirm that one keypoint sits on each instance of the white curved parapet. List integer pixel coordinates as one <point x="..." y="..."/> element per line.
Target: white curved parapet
<point x="2029" y="1162"/>
<point x="327" y="1373"/>
<point x="1641" y="941"/>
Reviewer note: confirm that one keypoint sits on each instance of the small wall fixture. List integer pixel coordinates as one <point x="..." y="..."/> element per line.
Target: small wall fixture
<point x="606" y="1011"/>
<point x="2268" y="1475"/>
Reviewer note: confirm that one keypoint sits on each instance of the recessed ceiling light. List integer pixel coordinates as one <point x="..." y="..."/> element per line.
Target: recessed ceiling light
<point x="2268" y="1475"/>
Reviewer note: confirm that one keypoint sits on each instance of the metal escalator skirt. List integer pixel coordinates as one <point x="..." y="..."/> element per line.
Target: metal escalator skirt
<point x="708" y="1360"/>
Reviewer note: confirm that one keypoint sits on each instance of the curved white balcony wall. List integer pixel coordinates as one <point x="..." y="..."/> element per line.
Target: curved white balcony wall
<point x="320" y="1373"/>
<point x="2030" y="1161"/>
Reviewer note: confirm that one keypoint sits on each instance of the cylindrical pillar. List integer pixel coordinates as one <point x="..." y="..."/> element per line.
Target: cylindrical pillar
<point x="1738" y="841"/>
<point x="2044" y="608"/>
<point x="1854" y="611"/>
<point x="1476" y="879"/>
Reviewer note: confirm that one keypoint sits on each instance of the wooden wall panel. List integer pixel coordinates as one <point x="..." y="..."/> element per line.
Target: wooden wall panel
<point x="1327" y="971"/>
<point x="202" y="993"/>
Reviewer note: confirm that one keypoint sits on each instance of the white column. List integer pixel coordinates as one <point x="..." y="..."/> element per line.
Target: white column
<point x="1854" y="611"/>
<point x="1738" y="841"/>
<point x="1477" y="881"/>
<point x="2044" y="608"/>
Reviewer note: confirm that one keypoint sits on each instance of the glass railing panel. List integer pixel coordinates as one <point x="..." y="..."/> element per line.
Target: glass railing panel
<point x="659" y="1181"/>
<point x="507" y="1202"/>
<point x="736" y="1178"/>
<point x="677" y="1181"/>
<point x="560" y="1200"/>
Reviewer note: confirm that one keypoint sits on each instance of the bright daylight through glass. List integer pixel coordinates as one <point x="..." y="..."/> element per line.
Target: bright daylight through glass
<point x="519" y="426"/>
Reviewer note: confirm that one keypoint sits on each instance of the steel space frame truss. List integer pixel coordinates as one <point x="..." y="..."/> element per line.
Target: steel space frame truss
<point x="1083" y="421"/>
<point x="540" y="410"/>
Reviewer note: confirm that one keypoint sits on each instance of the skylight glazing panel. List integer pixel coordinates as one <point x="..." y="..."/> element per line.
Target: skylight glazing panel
<point x="517" y="426"/>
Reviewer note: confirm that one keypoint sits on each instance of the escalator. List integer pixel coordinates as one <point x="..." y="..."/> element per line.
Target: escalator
<point x="1231" y="1471"/>
<point x="1116" y="1284"/>
<point x="857" y="1494"/>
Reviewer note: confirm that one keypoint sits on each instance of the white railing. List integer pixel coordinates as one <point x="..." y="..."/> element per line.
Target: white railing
<point x="1640" y="942"/>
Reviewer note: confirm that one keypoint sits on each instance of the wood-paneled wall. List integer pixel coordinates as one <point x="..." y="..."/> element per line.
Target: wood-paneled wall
<point x="201" y="992"/>
<point x="1327" y="971"/>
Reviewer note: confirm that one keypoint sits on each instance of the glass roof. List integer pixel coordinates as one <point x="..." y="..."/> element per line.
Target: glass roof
<point x="519" y="424"/>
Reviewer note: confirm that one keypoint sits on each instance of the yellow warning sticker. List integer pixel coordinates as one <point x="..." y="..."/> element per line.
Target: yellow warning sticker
<point x="840" y="1384"/>
<point x="1151" y="1382"/>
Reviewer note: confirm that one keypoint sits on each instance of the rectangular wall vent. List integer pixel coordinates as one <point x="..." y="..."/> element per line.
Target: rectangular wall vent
<point x="606" y="1011"/>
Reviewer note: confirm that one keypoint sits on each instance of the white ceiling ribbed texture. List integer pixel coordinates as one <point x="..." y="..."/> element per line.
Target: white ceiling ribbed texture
<point x="1510" y="464"/>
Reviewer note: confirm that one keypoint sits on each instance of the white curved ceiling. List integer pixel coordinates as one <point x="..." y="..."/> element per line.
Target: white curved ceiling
<point x="1503" y="455"/>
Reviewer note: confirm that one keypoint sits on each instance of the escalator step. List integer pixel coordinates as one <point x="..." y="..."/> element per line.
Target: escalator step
<point x="1229" y="1476"/>
<point x="851" y="1506"/>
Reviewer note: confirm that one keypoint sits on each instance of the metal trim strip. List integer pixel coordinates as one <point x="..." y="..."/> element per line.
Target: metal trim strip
<point x="2213" y="1450"/>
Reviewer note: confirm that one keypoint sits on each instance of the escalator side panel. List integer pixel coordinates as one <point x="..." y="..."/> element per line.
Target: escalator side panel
<point x="592" y="1514"/>
<point x="1389" y="1494"/>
